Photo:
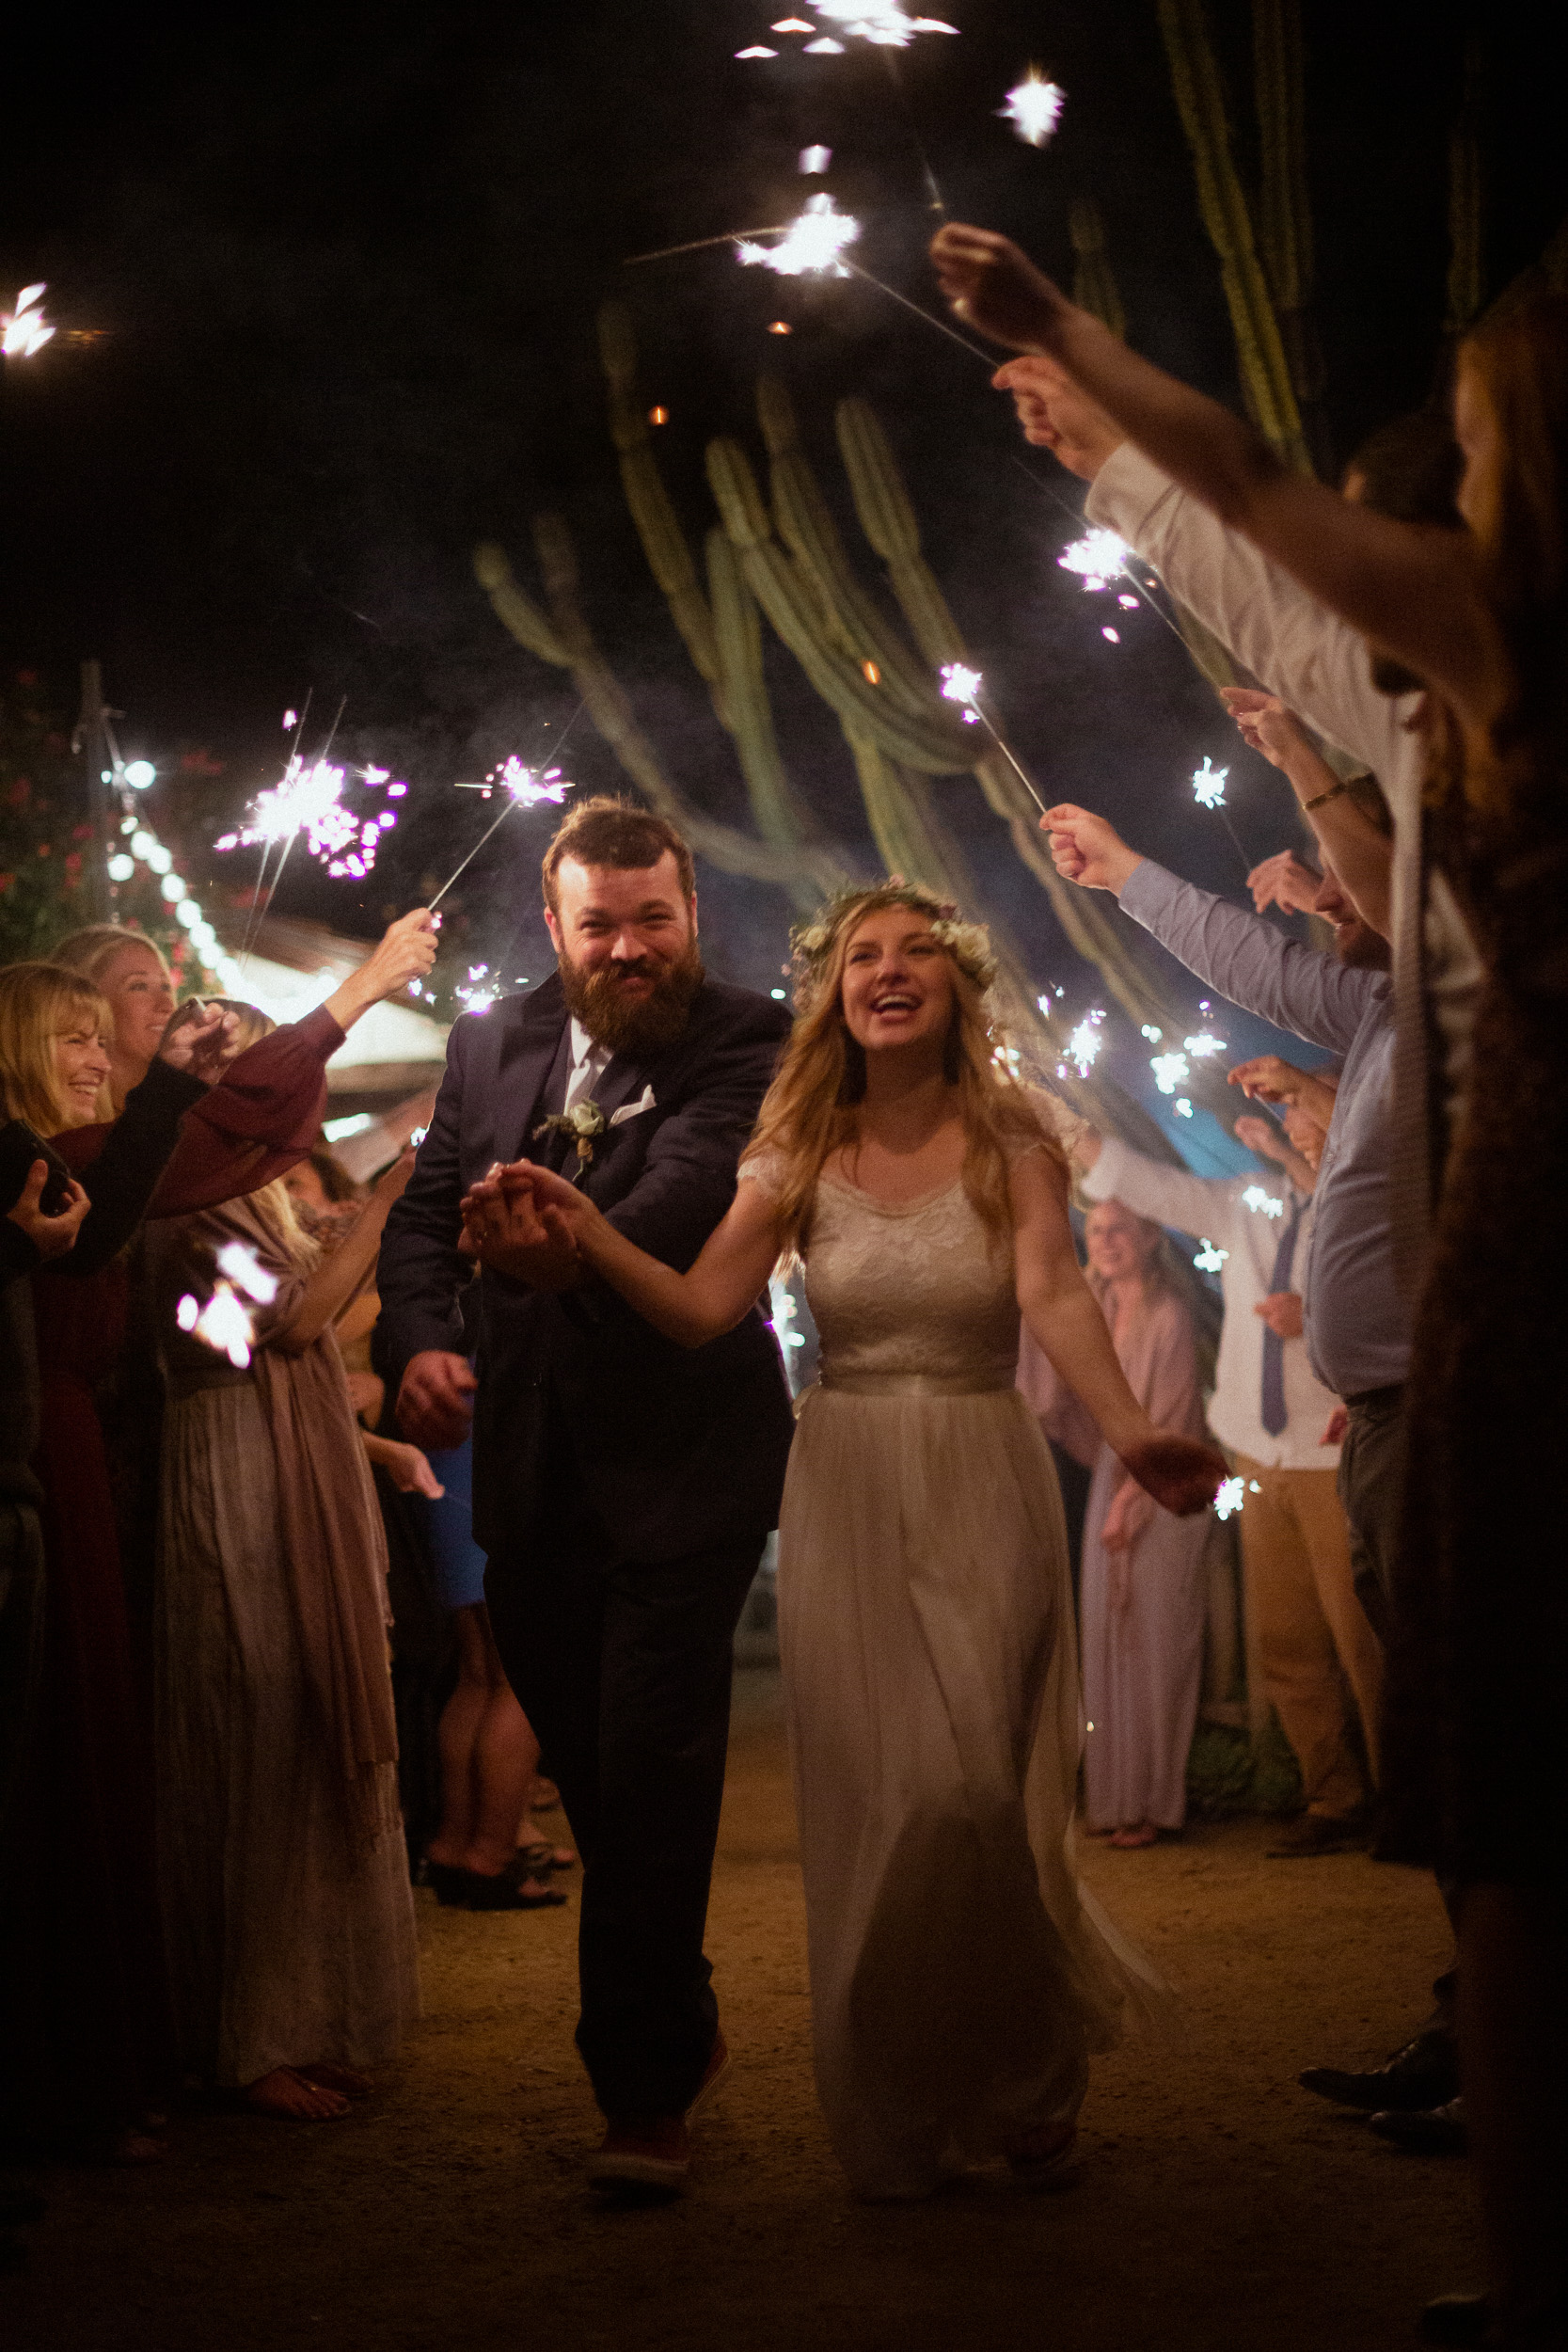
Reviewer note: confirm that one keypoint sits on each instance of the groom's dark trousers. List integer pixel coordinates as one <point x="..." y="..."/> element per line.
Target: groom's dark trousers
<point x="622" y="1488"/>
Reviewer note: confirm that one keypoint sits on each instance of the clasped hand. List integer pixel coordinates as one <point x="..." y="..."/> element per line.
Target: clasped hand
<point x="518" y="1220"/>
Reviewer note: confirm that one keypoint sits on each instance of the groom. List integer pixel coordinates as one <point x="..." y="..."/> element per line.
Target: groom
<point x="624" y="1487"/>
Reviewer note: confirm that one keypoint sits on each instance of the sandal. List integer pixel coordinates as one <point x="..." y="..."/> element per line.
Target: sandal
<point x="538" y="1861"/>
<point x="506" y="1892"/>
<point x="448" y="1883"/>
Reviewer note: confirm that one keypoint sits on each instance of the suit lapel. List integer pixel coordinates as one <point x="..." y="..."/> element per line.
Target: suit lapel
<point x="526" y="1054"/>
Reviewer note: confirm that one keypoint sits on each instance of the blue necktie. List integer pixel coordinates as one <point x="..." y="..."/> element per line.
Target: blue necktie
<point x="1275" y="1415"/>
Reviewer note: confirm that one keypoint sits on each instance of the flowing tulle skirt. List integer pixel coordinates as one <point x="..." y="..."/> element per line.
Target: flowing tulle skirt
<point x="960" y="1975"/>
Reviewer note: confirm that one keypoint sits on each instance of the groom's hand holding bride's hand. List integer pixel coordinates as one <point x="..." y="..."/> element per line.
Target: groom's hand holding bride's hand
<point x="515" y="1228"/>
<point x="1183" y="1474"/>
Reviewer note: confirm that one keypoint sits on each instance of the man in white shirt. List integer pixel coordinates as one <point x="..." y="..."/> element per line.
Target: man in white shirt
<point x="1309" y="1635"/>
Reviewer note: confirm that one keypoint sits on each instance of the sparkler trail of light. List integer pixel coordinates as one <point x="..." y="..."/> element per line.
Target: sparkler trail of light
<point x="522" y="791"/>
<point x="703" y="245"/>
<point x="25" y="330"/>
<point x="294" y="719"/>
<point x="225" y="1323"/>
<point x="961" y="685"/>
<point x="811" y="246"/>
<point x="1209" y="792"/>
<point x="814" y="160"/>
<point x="1203" y="1045"/>
<point x="1083" y="1046"/>
<point x="1035" y="108"/>
<point x="1169" y="1071"/>
<point x="1261" y="1202"/>
<point x="1208" y="1259"/>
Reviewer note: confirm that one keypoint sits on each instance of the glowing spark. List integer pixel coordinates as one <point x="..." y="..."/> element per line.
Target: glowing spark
<point x="960" y="685"/>
<point x="1169" y="1071"/>
<point x="780" y="327"/>
<point x="792" y="25"/>
<point x="1256" y="1200"/>
<point x="878" y="21"/>
<point x="26" y="329"/>
<point x="291" y="719"/>
<point x="224" y="1324"/>
<point x="1113" y="636"/>
<point x="1098" y="558"/>
<point x="1035" y="107"/>
<point x="1044" y="1004"/>
<point x="1083" y="1046"/>
<point x="871" y="674"/>
<point x="826" y="47"/>
<point x="659" y="416"/>
<point x="1128" y="604"/>
<point x="1209" y="785"/>
<point x="1210" y="1260"/>
<point x="1201" y="1046"/>
<point x="1183" y="1108"/>
<point x="245" y="1270"/>
<point x="1154" y="1036"/>
<point x="1229" y="1498"/>
<point x="811" y="245"/>
<point x="757" y="52"/>
<point x="814" y="160"/>
<point x="309" y="800"/>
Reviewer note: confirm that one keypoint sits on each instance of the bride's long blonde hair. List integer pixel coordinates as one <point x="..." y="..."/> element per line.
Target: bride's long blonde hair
<point x="812" y="1108"/>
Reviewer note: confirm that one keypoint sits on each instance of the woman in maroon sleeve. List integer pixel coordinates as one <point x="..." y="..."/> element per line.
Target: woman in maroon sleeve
<point x="92" y="1843"/>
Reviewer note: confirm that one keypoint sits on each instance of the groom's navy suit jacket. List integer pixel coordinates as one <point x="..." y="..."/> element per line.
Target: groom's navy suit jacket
<point x="677" y="1449"/>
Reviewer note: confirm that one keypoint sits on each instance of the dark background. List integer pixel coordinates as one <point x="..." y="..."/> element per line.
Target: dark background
<point x="346" y="260"/>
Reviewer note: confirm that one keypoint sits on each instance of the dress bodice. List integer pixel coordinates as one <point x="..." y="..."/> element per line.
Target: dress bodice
<point x="912" y="1287"/>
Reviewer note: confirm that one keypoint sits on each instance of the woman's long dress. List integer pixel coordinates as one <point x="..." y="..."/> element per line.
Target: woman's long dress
<point x="1142" y="1609"/>
<point x="958" y="1977"/>
<point x="287" y="1906"/>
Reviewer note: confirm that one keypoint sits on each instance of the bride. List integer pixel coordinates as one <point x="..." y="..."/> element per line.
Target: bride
<point x="959" y="1979"/>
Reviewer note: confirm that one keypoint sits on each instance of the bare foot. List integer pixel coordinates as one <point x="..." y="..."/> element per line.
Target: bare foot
<point x="540" y="1854"/>
<point x="344" y="2078"/>
<point x="287" y="2093"/>
<point x="1138" y="1835"/>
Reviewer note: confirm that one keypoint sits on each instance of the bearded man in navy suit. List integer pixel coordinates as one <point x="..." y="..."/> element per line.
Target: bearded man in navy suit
<point x="624" y="1487"/>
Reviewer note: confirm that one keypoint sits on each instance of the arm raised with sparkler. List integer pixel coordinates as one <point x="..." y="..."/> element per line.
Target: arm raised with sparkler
<point x="1363" y="857"/>
<point x="334" y="1284"/>
<point x="1415" y="591"/>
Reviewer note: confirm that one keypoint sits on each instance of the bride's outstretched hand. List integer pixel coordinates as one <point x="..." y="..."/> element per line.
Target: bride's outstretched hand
<point x="1183" y="1474"/>
<point x="995" y="287"/>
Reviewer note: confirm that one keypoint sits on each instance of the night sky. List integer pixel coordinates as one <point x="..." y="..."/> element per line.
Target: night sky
<point x="347" y="261"/>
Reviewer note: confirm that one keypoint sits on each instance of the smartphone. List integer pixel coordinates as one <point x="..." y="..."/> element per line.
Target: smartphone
<point x="19" y="1148"/>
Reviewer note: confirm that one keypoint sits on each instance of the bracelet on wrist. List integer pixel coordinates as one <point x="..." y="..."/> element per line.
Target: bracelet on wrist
<point x="1340" y="784"/>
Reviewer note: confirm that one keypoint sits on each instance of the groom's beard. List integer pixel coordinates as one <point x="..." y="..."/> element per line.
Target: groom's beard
<point x="634" y="1024"/>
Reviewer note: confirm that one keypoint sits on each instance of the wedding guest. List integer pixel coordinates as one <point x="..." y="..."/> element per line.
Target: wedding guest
<point x="958" y="1983"/>
<point x="1308" y="1639"/>
<point x="1475" y="1728"/>
<point x="84" y="2015"/>
<point x="1142" y="1605"/>
<point x="292" y="1956"/>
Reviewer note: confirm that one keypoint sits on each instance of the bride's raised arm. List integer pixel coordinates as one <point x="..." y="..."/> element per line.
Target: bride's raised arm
<point x="522" y="1215"/>
<point x="1064" y="1317"/>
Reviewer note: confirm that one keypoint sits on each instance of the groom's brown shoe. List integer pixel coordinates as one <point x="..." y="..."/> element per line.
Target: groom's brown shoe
<point x="654" y="2151"/>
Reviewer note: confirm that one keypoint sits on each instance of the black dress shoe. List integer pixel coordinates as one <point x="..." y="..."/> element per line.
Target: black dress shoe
<point x="1435" y="2132"/>
<point x="1455" y="2319"/>
<point x="1425" y="2073"/>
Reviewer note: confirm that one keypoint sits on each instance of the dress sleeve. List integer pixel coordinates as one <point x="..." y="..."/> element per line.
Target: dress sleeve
<point x="260" y="1119"/>
<point x="765" y="1170"/>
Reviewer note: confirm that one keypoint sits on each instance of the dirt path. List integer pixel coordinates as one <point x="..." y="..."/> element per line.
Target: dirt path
<point x="1220" y="2206"/>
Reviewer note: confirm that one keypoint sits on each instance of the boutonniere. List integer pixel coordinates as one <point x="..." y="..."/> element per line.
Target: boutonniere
<point x="584" y="1123"/>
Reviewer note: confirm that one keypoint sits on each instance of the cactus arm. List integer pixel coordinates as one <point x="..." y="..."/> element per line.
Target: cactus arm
<point x="647" y="500"/>
<point x="738" y="637"/>
<point x="1093" y="286"/>
<point x="1260" y="349"/>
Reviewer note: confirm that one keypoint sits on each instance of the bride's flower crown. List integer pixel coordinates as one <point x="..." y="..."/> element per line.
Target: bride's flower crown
<point x="968" y="943"/>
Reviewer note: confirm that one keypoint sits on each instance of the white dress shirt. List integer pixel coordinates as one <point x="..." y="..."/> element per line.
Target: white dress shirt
<point x="1212" y="1209"/>
<point x="589" y="1064"/>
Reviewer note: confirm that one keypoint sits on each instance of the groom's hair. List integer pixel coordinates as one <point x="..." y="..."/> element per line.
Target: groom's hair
<point x="605" y="831"/>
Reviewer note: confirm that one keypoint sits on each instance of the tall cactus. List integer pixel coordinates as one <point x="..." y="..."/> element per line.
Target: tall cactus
<point x="1093" y="288"/>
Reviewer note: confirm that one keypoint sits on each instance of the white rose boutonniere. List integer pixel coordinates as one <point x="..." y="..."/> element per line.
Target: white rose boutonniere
<point x="585" y="1122"/>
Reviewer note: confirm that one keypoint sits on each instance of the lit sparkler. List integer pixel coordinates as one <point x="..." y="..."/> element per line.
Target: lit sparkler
<point x="1098" y="558"/>
<point x="1170" y="1071"/>
<point x="1202" y="1046"/>
<point x="26" y="329"/>
<point x="960" y="684"/>
<point x="814" y="160"/>
<point x="1229" y="1497"/>
<point x="1208" y="1259"/>
<point x="1083" y="1046"/>
<point x="812" y="244"/>
<point x="1261" y="1203"/>
<point x="880" y="22"/>
<point x="309" y="800"/>
<point x="523" y="787"/>
<point x="1209" y="784"/>
<point x="1035" y="107"/>
<point x="243" y="1268"/>
<point x="225" y="1323"/>
<point x="1209" y="792"/>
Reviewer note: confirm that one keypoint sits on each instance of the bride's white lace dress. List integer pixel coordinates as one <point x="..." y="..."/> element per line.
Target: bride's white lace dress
<point x="960" y="1976"/>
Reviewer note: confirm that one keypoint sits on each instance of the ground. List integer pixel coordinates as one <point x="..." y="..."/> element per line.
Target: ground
<point x="1219" y="2206"/>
